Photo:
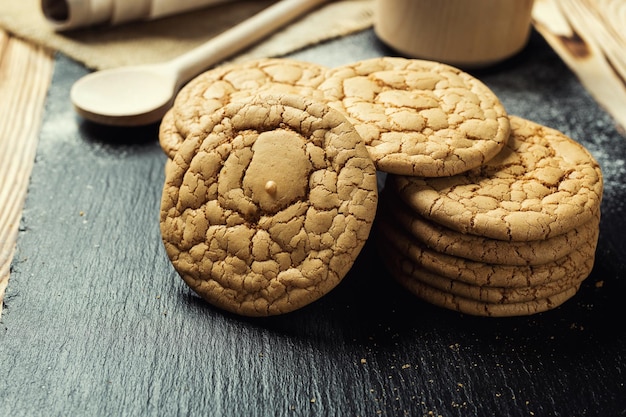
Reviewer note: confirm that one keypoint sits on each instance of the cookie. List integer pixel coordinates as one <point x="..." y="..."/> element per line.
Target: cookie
<point x="487" y="250"/>
<point x="265" y="210"/>
<point x="480" y="308"/>
<point x="482" y="301"/>
<point x="577" y="263"/>
<point x="484" y="293"/>
<point x="541" y="185"/>
<point x="211" y="90"/>
<point x="419" y="118"/>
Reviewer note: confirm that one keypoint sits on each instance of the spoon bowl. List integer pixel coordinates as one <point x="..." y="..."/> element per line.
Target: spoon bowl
<point x="127" y="96"/>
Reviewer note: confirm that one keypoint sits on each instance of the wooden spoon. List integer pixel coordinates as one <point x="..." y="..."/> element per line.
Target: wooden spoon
<point x="142" y="94"/>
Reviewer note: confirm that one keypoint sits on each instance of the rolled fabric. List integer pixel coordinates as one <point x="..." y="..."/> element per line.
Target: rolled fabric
<point x="72" y="14"/>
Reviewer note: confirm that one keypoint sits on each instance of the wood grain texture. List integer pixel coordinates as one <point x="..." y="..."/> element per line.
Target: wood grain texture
<point x="25" y="72"/>
<point x="590" y="37"/>
<point x="97" y="323"/>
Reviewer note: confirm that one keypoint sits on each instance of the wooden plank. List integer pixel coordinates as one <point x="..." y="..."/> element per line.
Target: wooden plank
<point x="25" y="73"/>
<point x="590" y="37"/>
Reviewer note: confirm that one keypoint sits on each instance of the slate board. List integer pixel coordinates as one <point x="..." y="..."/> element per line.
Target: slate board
<point x="97" y="323"/>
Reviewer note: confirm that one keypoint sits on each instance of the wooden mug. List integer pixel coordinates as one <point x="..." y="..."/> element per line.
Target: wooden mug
<point x="464" y="33"/>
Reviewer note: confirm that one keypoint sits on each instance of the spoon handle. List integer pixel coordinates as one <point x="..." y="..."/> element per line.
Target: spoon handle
<point x="238" y="37"/>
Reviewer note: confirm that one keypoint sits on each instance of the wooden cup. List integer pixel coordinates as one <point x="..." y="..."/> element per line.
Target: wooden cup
<point x="464" y="33"/>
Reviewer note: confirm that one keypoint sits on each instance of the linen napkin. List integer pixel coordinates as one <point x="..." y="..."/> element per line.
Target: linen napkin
<point x="156" y="40"/>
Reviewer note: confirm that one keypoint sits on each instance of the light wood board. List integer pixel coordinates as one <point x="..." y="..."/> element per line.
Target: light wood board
<point x="25" y="73"/>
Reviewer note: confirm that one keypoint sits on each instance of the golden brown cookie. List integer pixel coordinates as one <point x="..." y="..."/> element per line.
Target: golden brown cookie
<point x="419" y="117"/>
<point x="265" y="210"/>
<point x="211" y="90"/>
<point x="480" y="308"/>
<point x="578" y="262"/>
<point x="541" y="185"/>
<point x="474" y="300"/>
<point x="484" y="249"/>
<point x="478" y="292"/>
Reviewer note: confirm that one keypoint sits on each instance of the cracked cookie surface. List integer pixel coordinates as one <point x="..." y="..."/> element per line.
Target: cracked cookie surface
<point x="484" y="249"/>
<point x="419" y="117"/>
<point x="213" y="89"/>
<point x="574" y="266"/>
<point x="481" y="293"/>
<point x="475" y="307"/>
<point x="265" y="209"/>
<point x="541" y="185"/>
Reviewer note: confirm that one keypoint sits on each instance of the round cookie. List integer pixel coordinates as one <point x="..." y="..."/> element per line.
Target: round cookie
<point x="483" y="249"/>
<point x="541" y="185"/>
<point x="479" y="308"/>
<point x="211" y="90"/>
<point x="487" y="294"/>
<point x="579" y="262"/>
<point x="266" y="210"/>
<point x="417" y="117"/>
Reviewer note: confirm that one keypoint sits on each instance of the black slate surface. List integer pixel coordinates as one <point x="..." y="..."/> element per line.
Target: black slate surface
<point x="97" y="323"/>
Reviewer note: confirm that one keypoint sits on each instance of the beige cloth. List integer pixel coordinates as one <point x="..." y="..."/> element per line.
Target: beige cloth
<point x="162" y="39"/>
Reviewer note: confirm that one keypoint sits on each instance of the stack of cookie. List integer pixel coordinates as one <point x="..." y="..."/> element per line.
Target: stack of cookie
<point x="516" y="236"/>
<point x="484" y="213"/>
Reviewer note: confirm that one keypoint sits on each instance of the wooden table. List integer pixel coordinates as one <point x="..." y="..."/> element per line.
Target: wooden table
<point x="97" y="323"/>
<point x="25" y="72"/>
